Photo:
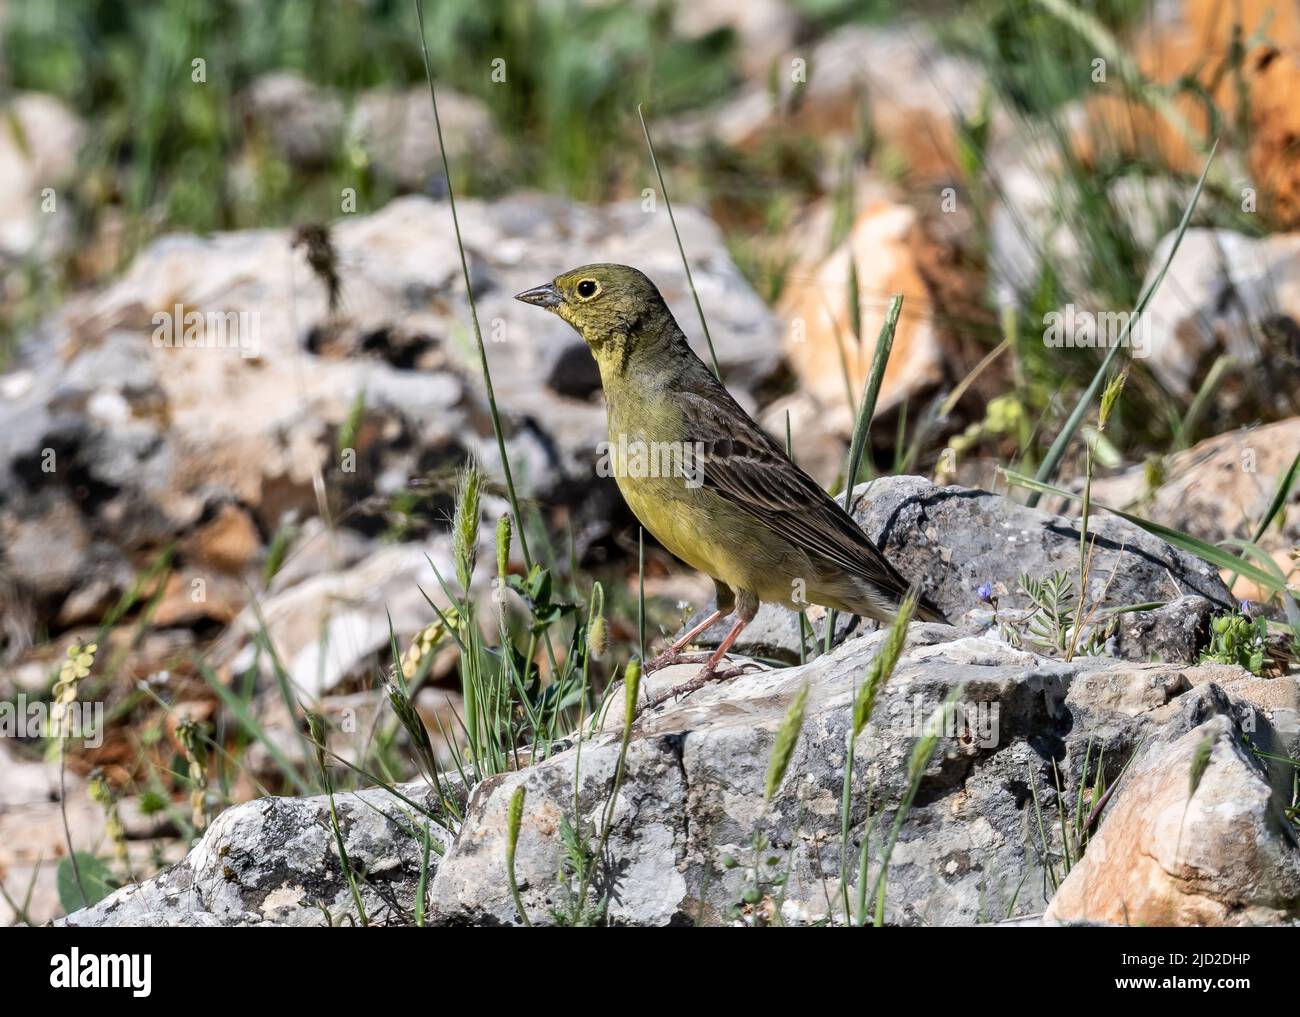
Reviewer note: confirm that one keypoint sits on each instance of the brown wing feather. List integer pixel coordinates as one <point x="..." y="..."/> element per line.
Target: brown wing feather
<point x="744" y="465"/>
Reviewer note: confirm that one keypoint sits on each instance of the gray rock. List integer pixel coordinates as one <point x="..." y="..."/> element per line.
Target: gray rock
<point x="39" y="145"/>
<point x="1032" y="221"/>
<point x="303" y="121"/>
<point x="573" y="372"/>
<point x="310" y="125"/>
<point x="1176" y="633"/>
<point x="275" y="861"/>
<point x="1228" y="293"/>
<point x="954" y="539"/>
<point x="696" y="770"/>
<point x="396" y="131"/>
<point x="692" y="797"/>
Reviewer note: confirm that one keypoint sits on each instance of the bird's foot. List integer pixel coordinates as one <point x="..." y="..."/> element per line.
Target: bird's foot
<point x="670" y="657"/>
<point x="707" y="674"/>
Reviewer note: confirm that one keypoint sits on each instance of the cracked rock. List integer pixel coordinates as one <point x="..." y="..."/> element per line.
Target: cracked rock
<point x="971" y="849"/>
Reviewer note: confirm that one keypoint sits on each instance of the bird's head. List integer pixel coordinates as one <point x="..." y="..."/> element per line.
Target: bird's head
<point x="613" y="308"/>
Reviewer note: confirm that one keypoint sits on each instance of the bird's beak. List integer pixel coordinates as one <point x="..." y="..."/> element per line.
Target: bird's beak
<point x="543" y="296"/>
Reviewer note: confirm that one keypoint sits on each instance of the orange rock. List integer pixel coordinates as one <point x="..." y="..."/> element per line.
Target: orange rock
<point x="1248" y="589"/>
<point x="886" y="245"/>
<point x="190" y="596"/>
<point x="228" y="541"/>
<point x="1218" y="857"/>
<point x="1202" y="50"/>
<point x="1221" y="488"/>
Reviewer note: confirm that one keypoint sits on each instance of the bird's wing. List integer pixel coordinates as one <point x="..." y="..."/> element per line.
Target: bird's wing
<point x="745" y="466"/>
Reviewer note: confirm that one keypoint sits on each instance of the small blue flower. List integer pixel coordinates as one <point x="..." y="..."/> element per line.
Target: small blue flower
<point x="1247" y="607"/>
<point x="985" y="592"/>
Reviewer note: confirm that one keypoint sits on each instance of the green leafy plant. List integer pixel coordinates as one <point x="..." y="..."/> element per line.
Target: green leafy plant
<point x="83" y="880"/>
<point x="1236" y="638"/>
<point x="1052" y="611"/>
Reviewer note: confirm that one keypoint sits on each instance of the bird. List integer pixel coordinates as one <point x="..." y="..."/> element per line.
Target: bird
<point x="714" y="488"/>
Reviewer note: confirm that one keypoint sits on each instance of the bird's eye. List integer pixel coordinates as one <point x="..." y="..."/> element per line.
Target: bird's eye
<point x="588" y="288"/>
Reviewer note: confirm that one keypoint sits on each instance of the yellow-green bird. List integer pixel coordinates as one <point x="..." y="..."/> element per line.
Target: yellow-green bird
<point x="733" y="505"/>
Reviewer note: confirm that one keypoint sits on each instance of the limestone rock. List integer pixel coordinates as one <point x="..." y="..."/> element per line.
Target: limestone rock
<point x="692" y="797"/>
<point x="696" y="771"/>
<point x="274" y="861"/>
<point x="1226" y="855"/>
<point x="302" y="120"/>
<point x="396" y="131"/>
<point x="119" y="435"/>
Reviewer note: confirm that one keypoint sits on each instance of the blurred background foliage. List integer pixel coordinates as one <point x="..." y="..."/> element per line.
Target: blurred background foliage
<point x="161" y="156"/>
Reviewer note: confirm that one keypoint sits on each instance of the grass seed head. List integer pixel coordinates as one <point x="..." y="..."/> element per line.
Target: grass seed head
<point x="504" y="535"/>
<point x="882" y="666"/>
<point x="787" y="736"/>
<point x="631" y="691"/>
<point x="514" y="819"/>
<point x="464" y="526"/>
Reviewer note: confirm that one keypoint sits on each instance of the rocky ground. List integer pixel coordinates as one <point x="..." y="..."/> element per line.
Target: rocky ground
<point x="991" y="835"/>
<point x="973" y="848"/>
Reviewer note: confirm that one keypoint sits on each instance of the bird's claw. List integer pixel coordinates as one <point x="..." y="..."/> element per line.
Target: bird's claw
<point x="670" y="657"/>
<point x="734" y="672"/>
<point x="707" y="674"/>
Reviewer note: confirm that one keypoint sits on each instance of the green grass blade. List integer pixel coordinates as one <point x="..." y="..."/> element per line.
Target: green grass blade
<point x="1211" y="553"/>
<point x="1047" y="471"/>
<point x="421" y="890"/>
<point x="867" y="409"/>
<point x="862" y="426"/>
<point x="1284" y="487"/>
<point x="469" y="295"/>
<point x="690" y="279"/>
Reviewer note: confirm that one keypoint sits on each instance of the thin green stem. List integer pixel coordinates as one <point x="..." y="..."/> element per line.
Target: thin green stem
<point x="1047" y="471"/>
<point x="690" y="279"/>
<point x="469" y="295"/>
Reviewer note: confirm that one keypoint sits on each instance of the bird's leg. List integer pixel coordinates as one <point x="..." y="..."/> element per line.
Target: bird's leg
<point x="673" y="655"/>
<point x="710" y="670"/>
